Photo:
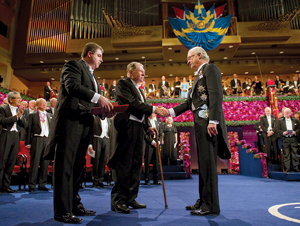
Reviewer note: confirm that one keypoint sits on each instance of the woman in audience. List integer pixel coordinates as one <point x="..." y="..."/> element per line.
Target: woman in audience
<point x="184" y="87"/>
<point x="256" y="85"/>
<point x="169" y="142"/>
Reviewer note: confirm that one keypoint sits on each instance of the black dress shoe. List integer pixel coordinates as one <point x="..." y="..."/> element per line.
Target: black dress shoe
<point x="120" y="208"/>
<point x="43" y="189"/>
<point x="201" y="212"/>
<point x="137" y="205"/>
<point x="31" y="190"/>
<point x="67" y="218"/>
<point x="196" y="206"/>
<point x="296" y="170"/>
<point x="9" y="190"/>
<point x="83" y="212"/>
<point x="156" y="183"/>
<point x="101" y="185"/>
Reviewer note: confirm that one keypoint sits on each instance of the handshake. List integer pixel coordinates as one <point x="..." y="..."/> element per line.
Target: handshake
<point x="163" y="112"/>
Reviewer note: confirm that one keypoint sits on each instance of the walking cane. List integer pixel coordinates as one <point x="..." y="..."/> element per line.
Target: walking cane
<point x="161" y="173"/>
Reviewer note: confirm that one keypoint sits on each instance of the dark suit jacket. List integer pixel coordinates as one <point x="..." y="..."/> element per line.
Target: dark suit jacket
<point x="151" y="87"/>
<point x="277" y="82"/>
<point x="34" y="126"/>
<point x="265" y="124"/>
<point x="232" y="83"/>
<point x="46" y="93"/>
<point x="126" y="93"/>
<point x="166" y="84"/>
<point x="244" y="86"/>
<point x="97" y="128"/>
<point x="49" y="110"/>
<point x="7" y="120"/>
<point x="282" y="128"/>
<point x="76" y="92"/>
<point x="212" y="82"/>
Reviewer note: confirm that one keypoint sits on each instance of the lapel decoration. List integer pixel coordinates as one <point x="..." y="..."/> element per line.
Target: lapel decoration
<point x="201" y="89"/>
<point x="203" y="97"/>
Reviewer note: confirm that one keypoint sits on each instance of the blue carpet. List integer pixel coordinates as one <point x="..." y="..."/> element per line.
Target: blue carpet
<point x="244" y="201"/>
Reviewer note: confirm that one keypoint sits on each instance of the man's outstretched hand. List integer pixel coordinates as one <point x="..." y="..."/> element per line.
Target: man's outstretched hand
<point x="163" y="112"/>
<point x="105" y="104"/>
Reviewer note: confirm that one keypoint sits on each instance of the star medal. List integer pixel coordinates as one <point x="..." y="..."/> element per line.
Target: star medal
<point x="201" y="89"/>
<point x="203" y="97"/>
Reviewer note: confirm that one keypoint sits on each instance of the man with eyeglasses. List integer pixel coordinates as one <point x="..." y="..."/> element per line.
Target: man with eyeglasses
<point x="205" y="101"/>
<point x="11" y="121"/>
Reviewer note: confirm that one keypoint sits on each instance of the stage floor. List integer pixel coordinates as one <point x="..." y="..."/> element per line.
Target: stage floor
<point x="244" y="201"/>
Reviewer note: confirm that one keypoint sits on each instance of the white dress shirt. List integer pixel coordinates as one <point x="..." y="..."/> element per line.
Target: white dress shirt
<point x="104" y="126"/>
<point x="44" y="125"/>
<point x="13" y="112"/>
<point x="270" y="123"/>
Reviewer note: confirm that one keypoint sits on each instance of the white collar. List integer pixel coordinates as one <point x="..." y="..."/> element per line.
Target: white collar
<point x="197" y="72"/>
<point x="12" y="107"/>
<point x="135" y="84"/>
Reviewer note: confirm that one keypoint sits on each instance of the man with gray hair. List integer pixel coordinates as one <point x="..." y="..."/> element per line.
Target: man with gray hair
<point x="288" y="130"/>
<point x="52" y="106"/>
<point x="268" y="126"/>
<point x="126" y="161"/>
<point x="205" y="101"/>
<point x="11" y="121"/>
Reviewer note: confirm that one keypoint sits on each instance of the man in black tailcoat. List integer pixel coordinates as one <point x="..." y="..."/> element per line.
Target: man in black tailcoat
<point x="71" y="131"/>
<point x="101" y="145"/>
<point x="37" y="136"/>
<point x="126" y="159"/>
<point x="235" y="83"/>
<point x="268" y="127"/>
<point x="205" y="101"/>
<point x="288" y="129"/>
<point x="47" y="91"/>
<point x="11" y="121"/>
<point x="151" y="155"/>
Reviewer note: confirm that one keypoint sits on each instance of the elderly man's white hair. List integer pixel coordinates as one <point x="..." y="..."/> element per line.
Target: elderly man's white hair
<point x="287" y="109"/>
<point x="198" y="50"/>
<point x="131" y="66"/>
<point x="267" y="108"/>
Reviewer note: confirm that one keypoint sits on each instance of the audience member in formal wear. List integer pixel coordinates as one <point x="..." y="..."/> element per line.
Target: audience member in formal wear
<point x="268" y="125"/>
<point x="105" y="86"/>
<point x="184" y="86"/>
<point x="163" y="86"/>
<point x="152" y="86"/>
<point x="151" y="155"/>
<point x="112" y="90"/>
<point x="205" y="101"/>
<point x="24" y="105"/>
<point x="169" y="143"/>
<point x="235" y="84"/>
<point x="258" y="129"/>
<point x="71" y="131"/>
<point x="287" y="84"/>
<point x="278" y="83"/>
<point x="176" y="86"/>
<point x="256" y="85"/>
<point x="126" y="160"/>
<point x="296" y="85"/>
<point x="190" y="81"/>
<point x="144" y="88"/>
<point x="37" y="137"/>
<point x="11" y="120"/>
<point x="47" y="90"/>
<point x="288" y="129"/>
<point x="53" y="102"/>
<point x="245" y="84"/>
<point x="101" y="145"/>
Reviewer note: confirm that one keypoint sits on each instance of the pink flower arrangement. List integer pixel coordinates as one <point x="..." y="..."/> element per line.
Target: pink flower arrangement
<point x="234" y="160"/>
<point x="184" y="152"/>
<point x="252" y="150"/>
<point x="294" y="105"/>
<point x="246" y="146"/>
<point x="241" y="142"/>
<point x="263" y="160"/>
